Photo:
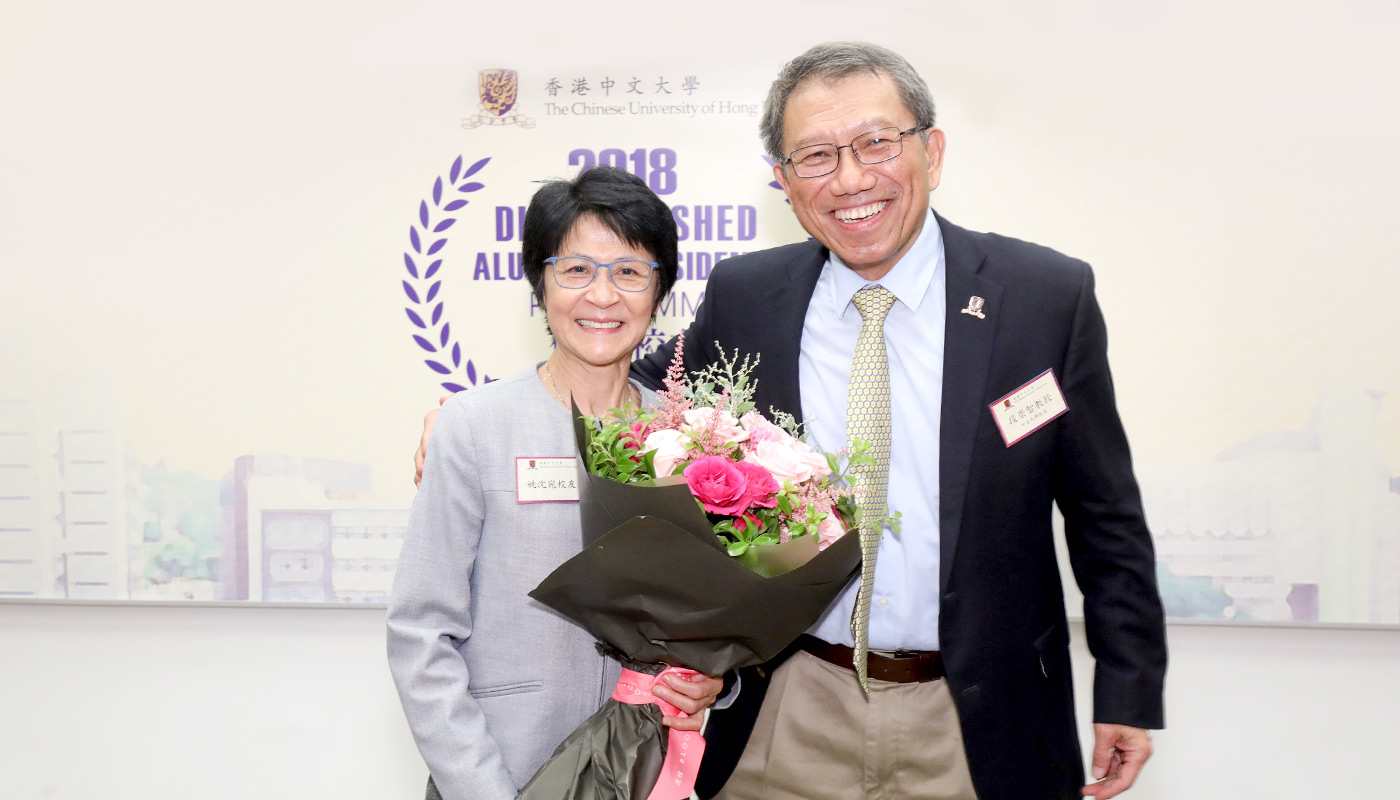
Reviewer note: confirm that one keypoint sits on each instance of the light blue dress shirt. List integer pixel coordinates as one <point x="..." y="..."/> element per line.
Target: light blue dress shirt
<point x="904" y="607"/>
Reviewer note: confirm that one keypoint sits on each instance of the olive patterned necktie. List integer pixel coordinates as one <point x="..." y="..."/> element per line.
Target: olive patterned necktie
<point x="868" y="418"/>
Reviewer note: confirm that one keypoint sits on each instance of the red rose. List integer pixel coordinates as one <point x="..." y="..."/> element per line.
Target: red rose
<point x="762" y="486"/>
<point x="719" y="487"/>
<point x="742" y="523"/>
<point x="633" y="436"/>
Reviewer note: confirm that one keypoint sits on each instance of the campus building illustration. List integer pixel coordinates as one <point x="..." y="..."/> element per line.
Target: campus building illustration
<point x="1299" y="525"/>
<point x="83" y="518"/>
<point x="1291" y="525"/>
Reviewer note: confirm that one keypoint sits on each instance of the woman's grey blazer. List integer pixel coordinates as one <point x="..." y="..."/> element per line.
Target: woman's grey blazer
<point x="490" y="680"/>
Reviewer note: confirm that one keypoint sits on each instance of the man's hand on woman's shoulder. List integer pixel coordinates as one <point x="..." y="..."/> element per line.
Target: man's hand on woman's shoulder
<point x="422" y="453"/>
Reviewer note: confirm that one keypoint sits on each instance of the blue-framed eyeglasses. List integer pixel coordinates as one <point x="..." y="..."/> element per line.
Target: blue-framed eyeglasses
<point x="577" y="272"/>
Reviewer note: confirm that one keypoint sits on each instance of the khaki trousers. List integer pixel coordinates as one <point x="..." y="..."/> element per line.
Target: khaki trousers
<point x="818" y="737"/>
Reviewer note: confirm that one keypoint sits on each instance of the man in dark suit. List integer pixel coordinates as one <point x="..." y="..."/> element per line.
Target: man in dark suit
<point x="997" y="404"/>
<point x="969" y="588"/>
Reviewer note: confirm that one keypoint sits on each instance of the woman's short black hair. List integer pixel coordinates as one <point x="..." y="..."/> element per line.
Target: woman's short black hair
<point x="620" y="201"/>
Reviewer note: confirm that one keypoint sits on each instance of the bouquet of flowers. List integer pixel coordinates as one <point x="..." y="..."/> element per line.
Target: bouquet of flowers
<point x="760" y="483"/>
<point x="712" y="539"/>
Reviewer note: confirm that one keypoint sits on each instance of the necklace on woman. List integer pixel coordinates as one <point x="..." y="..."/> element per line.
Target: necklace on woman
<point x="629" y="395"/>
<point x="552" y="387"/>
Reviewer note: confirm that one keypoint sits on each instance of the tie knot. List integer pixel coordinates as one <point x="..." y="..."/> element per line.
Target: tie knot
<point x="873" y="302"/>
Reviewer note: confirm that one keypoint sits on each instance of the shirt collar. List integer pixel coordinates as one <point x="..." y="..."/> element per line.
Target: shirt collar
<point x="909" y="279"/>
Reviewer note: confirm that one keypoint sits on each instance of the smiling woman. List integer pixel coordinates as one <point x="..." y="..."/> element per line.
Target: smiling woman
<point x="605" y="221"/>
<point x="490" y="681"/>
<point x="597" y="321"/>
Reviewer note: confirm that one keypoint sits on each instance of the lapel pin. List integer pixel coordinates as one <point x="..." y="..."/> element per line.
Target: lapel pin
<point x="974" y="307"/>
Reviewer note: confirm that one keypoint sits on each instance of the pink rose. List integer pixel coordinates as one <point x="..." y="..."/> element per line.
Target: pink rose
<point x="761" y="430"/>
<point x="762" y="487"/>
<point x="719" y="487"/>
<point x="792" y="460"/>
<point x="726" y="428"/>
<point x="829" y="529"/>
<point x="670" y="447"/>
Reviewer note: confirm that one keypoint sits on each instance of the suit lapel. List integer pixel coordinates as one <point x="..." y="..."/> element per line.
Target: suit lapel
<point x="967" y="356"/>
<point x="785" y="308"/>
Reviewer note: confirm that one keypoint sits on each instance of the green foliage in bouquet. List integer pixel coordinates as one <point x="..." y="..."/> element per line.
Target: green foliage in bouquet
<point x="623" y="447"/>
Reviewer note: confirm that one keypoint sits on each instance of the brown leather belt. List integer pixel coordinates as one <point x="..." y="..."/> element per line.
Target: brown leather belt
<point x="905" y="666"/>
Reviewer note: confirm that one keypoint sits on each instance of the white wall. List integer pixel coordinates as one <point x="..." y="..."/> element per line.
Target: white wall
<point x="107" y="703"/>
<point x="1272" y="714"/>
<point x="104" y="703"/>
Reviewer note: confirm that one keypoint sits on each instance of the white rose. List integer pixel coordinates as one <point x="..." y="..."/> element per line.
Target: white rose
<point x="670" y="447"/>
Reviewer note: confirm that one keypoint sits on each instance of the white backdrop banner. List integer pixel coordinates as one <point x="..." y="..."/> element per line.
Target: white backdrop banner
<point x="241" y="261"/>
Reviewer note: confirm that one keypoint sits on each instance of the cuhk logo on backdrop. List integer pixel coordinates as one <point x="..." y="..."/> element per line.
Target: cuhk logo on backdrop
<point x="498" y="89"/>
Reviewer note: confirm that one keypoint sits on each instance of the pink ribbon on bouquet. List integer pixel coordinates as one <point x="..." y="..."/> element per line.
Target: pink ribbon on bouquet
<point x="684" y="749"/>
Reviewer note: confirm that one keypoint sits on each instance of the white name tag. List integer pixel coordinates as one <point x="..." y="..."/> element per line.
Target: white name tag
<point x="546" y="479"/>
<point x="1029" y="408"/>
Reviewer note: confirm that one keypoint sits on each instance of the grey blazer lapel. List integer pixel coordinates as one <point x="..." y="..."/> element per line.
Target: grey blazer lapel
<point x="967" y="356"/>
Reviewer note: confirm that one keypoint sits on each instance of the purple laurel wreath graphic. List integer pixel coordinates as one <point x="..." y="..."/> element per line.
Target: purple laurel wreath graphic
<point x="421" y="293"/>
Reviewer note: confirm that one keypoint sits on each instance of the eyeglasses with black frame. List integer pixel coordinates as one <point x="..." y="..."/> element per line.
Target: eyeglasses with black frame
<point x="871" y="147"/>
<point x="577" y="272"/>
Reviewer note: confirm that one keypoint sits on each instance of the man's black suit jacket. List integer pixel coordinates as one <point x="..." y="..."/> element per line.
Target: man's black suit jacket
<point x="1002" y="627"/>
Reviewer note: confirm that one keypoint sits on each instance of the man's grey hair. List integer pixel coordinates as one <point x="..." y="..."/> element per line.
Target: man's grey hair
<point x="832" y="61"/>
